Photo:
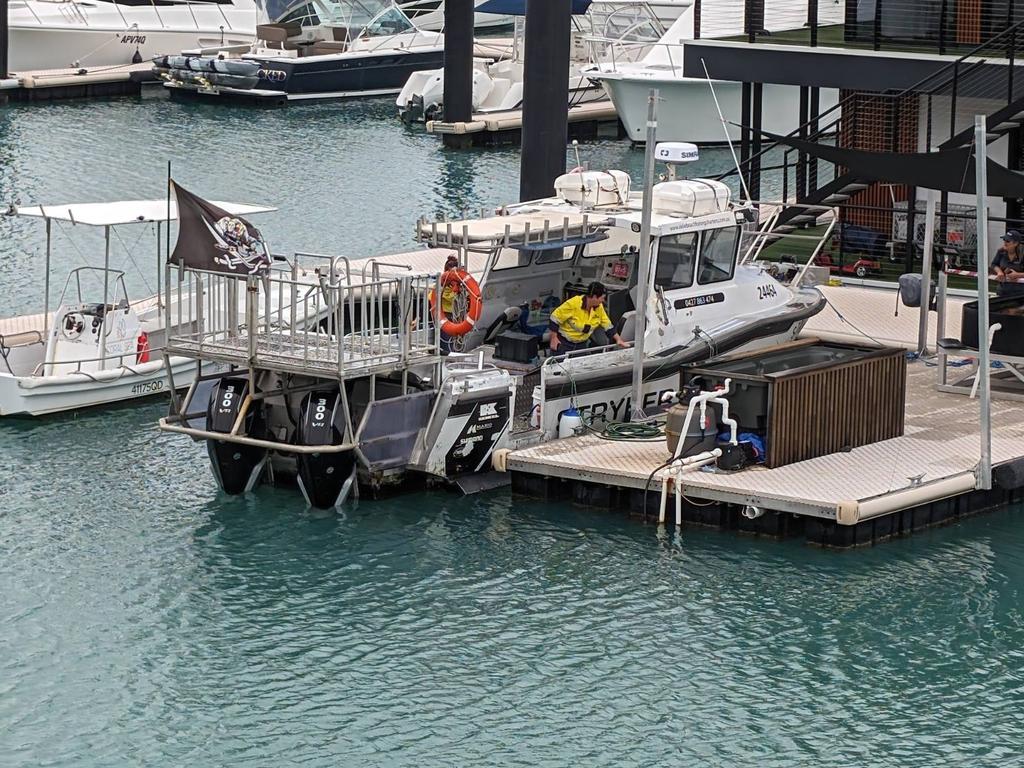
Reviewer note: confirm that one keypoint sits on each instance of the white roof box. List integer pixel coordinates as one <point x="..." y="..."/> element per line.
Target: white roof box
<point x="593" y="187"/>
<point x="692" y="197"/>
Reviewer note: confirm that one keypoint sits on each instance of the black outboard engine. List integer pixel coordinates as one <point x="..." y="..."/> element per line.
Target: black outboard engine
<point x="237" y="467"/>
<point x="325" y="478"/>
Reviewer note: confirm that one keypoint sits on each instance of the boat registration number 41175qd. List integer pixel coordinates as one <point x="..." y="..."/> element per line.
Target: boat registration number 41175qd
<point x="148" y="386"/>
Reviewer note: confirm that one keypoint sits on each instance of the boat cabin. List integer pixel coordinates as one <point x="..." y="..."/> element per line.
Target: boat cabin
<point x="537" y="255"/>
<point x="316" y="27"/>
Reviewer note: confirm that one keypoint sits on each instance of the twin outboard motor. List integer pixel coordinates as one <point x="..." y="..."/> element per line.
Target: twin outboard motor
<point x="237" y="467"/>
<point x="325" y="478"/>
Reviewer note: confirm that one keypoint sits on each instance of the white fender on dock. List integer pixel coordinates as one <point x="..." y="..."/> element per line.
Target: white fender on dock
<point x="853" y="512"/>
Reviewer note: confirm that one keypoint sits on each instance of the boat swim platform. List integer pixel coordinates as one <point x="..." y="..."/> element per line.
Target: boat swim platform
<point x="592" y="119"/>
<point x="77" y="83"/>
<point x="867" y="494"/>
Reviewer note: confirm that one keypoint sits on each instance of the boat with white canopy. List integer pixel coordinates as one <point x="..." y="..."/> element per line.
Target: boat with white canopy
<point x="94" y="345"/>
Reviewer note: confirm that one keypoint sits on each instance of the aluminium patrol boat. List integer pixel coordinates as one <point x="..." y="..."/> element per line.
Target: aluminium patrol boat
<point x="369" y="399"/>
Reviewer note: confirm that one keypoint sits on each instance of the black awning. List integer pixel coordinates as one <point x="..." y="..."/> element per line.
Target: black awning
<point x="950" y="170"/>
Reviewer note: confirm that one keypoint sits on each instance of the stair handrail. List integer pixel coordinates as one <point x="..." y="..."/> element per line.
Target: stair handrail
<point x="915" y="88"/>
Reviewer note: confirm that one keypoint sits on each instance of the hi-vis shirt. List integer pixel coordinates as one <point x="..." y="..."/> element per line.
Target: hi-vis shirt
<point x="575" y="323"/>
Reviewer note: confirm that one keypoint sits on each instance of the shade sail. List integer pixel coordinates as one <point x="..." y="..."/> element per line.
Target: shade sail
<point x="950" y="170"/>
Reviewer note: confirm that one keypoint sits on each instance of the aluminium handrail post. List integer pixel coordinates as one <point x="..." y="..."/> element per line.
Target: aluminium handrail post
<point x="984" y="477"/>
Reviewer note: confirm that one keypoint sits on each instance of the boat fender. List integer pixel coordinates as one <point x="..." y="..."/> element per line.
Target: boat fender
<point x="458" y="279"/>
<point x="142" y="348"/>
<point x="499" y="459"/>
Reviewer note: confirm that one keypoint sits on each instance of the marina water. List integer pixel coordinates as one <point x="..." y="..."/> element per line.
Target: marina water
<point x="146" y="619"/>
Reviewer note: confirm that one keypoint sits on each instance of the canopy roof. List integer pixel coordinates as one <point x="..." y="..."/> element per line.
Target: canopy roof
<point x="517" y="226"/>
<point x="518" y="7"/>
<point x="950" y="170"/>
<point x="124" y="211"/>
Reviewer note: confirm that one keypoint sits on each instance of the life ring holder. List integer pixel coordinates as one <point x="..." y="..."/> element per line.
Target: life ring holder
<point x="460" y="277"/>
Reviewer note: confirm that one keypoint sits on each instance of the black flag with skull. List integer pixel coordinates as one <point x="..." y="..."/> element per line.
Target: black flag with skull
<point x="211" y="239"/>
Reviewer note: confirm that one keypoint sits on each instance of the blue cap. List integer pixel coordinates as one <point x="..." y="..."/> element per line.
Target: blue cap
<point x="1012" y="235"/>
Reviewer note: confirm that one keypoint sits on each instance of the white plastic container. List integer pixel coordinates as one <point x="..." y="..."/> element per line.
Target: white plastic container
<point x="569" y="422"/>
<point x="593" y="187"/>
<point x="692" y="197"/>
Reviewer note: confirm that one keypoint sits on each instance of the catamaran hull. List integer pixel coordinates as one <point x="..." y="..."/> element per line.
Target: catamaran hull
<point x="42" y="395"/>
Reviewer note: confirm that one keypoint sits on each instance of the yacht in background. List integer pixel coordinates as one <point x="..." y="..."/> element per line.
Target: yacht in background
<point x="686" y="110"/>
<point x="95" y="33"/>
<point x="318" y="49"/>
<point x="498" y="82"/>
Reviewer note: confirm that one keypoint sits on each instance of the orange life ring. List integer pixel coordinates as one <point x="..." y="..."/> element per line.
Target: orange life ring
<point x="457" y="278"/>
<point x="142" y="348"/>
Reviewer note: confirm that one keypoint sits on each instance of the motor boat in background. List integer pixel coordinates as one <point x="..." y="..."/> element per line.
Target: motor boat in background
<point x="44" y="34"/>
<point x="318" y="49"/>
<point x="686" y="110"/>
<point x="429" y="15"/>
<point x="498" y="82"/>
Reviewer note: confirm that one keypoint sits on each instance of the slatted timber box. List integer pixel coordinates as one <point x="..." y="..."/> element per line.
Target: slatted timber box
<point x="809" y="398"/>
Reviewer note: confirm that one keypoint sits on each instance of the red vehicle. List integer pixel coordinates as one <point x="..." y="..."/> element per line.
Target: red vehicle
<point x="860" y="268"/>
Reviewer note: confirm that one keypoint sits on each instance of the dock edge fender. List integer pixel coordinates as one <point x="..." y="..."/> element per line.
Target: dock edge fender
<point x="853" y="512"/>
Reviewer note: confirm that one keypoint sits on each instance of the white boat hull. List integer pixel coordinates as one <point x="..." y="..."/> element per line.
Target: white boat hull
<point x="687" y="112"/>
<point x="41" y="395"/>
<point x="111" y="39"/>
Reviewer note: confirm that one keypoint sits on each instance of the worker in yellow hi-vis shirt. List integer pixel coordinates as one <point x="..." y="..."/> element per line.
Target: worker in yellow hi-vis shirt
<point x="576" y="319"/>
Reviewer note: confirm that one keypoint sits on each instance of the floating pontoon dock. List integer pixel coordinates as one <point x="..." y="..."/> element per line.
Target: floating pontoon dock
<point x="56" y="84"/>
<point x="926" y="477"/>
<point x="588" y="120"/>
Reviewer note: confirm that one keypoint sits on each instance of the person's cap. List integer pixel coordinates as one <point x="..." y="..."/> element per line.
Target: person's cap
<point x="1012" y="236"/>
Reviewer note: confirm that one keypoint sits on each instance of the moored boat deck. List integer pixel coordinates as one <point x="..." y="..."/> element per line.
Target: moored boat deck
<point x="924" y="477"/>
<point x="71" y="83"/>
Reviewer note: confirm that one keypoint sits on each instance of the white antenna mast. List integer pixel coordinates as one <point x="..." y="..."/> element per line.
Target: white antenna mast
<point x="725" y="128"/>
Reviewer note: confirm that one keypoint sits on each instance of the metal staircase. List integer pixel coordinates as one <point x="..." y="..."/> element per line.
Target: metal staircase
<point x="878" y="121"/>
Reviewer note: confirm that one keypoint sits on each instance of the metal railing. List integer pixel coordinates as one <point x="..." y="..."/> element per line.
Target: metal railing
<point x="321" y="325"/>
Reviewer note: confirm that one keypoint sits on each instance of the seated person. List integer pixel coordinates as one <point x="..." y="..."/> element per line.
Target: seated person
<point x="1009" y="266"/>
<point x="575" y="320"/>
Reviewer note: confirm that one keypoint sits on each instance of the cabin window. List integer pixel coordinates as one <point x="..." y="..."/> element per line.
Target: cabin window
<point x="718" y="255"/>
<point x="390" y="22"/>
<point x="677" y="255"/>
<point x="556" y="254"/>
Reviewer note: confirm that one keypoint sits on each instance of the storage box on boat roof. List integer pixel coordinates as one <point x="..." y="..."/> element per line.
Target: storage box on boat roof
<point x="594" y="187"/>
<point x="691" y="197"/>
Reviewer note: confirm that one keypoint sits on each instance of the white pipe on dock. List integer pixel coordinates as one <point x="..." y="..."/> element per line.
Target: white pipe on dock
<point x="674" y="474"/>
<point x="853" y="512"/>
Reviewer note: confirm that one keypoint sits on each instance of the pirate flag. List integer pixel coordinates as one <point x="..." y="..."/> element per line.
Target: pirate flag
<point x="211" y="239"/>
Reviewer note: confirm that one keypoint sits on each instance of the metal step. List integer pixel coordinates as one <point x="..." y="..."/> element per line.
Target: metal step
<point x="485" y="481"/>
<point x="835" y="199"/>
<point x="783" y="229"/>
<point x="803" y="218"/>
<point x="853" y="187"/>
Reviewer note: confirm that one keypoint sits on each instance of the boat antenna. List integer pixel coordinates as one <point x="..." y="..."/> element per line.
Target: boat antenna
<point x="725" y="128"/>
<point x="576" y="149"/>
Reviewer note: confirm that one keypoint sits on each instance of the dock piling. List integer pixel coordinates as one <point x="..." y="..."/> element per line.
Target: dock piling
<point x="545" y="96"/>
<point x="458" y="68"/>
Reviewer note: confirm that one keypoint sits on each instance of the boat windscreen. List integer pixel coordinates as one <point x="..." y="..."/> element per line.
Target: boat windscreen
<point x="365" y="18"/>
